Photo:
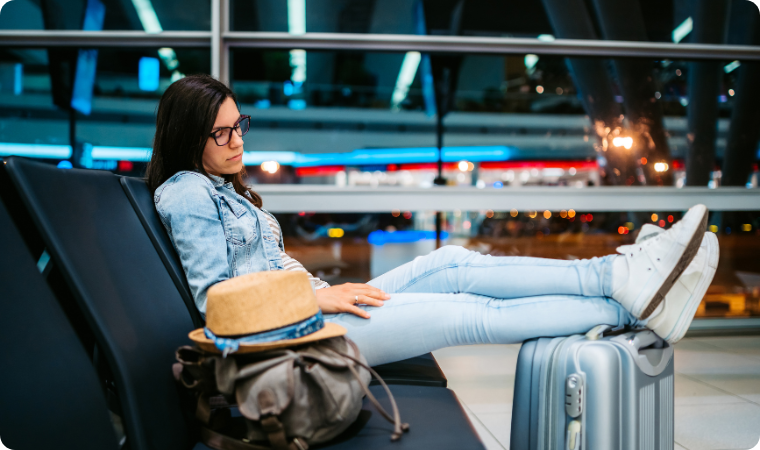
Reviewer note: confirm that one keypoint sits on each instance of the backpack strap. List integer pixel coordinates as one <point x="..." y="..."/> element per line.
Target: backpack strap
<point x="399" y="428"/>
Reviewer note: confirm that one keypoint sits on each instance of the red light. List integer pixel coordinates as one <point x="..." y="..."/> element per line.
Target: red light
<point x="583" y="217"/>
<point x="407" y="215"/>
<point x="302" y="213"/>
<point x="589" y="217"/>
<point x="319" y="171"/>
<point x="428" y="166"/>
<point x="578" y="165"/>
<point x="392" y="167"/>
<point x="125" y="166"/>
<point x="661" y="223"/>
<point x="670" y="219"/>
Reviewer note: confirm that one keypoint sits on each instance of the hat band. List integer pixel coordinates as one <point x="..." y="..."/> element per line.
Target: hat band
<point x="294" y="331"/>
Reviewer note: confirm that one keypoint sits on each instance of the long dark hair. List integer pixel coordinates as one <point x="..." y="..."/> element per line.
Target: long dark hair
<point x="186" y="114"/>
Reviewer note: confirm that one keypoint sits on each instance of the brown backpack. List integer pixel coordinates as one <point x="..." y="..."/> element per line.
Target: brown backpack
<point x="289" y="398"/>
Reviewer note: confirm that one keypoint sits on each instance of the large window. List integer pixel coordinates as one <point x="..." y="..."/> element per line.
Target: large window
<point x="399" y="96"/>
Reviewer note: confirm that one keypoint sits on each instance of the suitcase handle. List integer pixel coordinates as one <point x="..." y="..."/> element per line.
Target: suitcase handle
<point x="651" y="361"/>
<point x="634" y="343"/>
<point x="643" y="340"/>
<point x="597" y="332"/>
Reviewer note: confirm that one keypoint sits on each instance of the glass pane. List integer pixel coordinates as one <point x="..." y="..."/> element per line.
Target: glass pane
<point x="645" y="20"/>
<point x="519" y="119"/>
<point x="114" y="104"/>
<point x="144" y="15"/>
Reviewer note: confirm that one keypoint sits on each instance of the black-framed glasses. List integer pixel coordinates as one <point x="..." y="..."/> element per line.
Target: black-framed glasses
<point x="222" y="136"/>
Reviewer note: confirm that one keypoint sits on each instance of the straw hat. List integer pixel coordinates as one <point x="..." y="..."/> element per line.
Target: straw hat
<point x="262" y="311"/>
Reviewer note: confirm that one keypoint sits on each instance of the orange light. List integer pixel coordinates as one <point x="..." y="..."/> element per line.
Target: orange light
<point x="643" y="161"/>
<point x="489" y="213"/>
<point x="654" y="217"/>
<point x="621" y="230"/>
<point x="395" y="213"/>
<point x="571" y="213"/>
<point x="623" y="141"/>
<point x="270" y="166"/>
<point x="547" y="214"/>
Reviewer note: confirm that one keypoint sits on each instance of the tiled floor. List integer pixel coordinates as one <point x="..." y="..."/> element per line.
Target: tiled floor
<point x="717" y="389"/>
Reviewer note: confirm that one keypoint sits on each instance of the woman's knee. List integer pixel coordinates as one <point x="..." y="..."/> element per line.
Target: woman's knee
<point x="452" y="253"/>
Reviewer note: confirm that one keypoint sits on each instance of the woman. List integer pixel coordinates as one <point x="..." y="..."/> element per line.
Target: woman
<point x="450" y="297"/>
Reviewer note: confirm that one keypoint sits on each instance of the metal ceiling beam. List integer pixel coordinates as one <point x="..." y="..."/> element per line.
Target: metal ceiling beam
<point x="316" y="198"/>
<point x="381" y="42"/>
<point x="466" y="44"/>
<point x="100" y="39"/>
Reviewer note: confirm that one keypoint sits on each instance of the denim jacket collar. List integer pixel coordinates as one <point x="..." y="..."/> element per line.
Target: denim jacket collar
<point x="219" y="181"/>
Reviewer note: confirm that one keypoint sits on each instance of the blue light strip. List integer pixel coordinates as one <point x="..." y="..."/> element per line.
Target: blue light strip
<point x="359" y="157"/>
<point x="381" y="156"/>
<point x="380" y="237"/>
<point x="256" y="158"/>
<point x="136" y="154"/>
<point x="35" y="150"/>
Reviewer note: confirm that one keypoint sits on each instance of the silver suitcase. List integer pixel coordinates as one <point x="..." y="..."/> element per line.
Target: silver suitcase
<point x="594" y="392"/>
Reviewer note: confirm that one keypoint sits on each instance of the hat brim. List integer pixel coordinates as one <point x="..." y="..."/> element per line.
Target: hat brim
<point x="330" y="330"/>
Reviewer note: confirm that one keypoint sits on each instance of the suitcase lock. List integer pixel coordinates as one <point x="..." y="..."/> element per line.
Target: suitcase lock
<point x="574" y="395"/>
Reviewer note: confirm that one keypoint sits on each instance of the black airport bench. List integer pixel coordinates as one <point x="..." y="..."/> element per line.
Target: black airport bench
<point x="138" y="316"/>
<point x="50" y="396"/>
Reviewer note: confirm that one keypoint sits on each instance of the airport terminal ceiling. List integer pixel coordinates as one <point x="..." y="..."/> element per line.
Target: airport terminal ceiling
<point x="480" y="17"/>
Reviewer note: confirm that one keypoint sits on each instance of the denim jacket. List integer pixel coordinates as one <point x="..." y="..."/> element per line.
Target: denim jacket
<point x="217" y="233"/>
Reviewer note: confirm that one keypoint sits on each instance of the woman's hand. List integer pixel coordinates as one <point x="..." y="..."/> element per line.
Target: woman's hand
<point x="342" y="298"/>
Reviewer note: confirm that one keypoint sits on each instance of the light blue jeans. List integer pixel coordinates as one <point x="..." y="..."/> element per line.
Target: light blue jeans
<point x="454" y="296"/>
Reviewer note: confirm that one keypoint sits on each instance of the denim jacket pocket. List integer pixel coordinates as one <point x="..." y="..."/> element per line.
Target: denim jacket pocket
<point x="239" y="226"/>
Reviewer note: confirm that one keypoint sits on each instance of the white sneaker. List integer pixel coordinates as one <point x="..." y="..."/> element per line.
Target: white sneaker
<point x="681" y="302"/>
<point x="655" y="264"/>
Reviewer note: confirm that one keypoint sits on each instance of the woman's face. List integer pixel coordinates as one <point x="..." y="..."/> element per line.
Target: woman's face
<point x="224" y="159"/>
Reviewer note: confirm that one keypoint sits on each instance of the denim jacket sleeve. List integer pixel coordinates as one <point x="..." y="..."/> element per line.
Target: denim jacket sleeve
<point x="190" y="214"/>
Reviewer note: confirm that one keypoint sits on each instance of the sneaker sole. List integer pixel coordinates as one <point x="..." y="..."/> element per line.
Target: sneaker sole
<point x="691" y="251"/>
<point x="687" y="315"/>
